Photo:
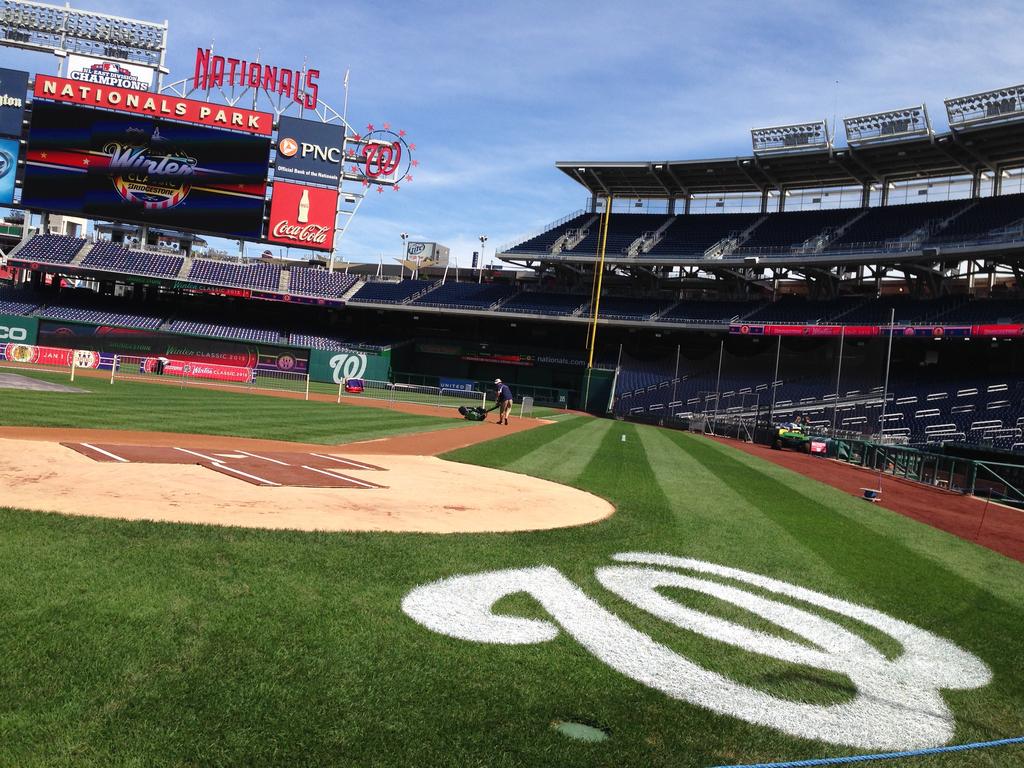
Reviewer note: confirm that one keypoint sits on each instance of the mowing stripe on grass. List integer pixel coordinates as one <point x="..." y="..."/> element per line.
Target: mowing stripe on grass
<point x="881" y="570"/>
<point x="568" y="454"/>
<point x="508" y="450"/>
<point x="717" y="516"/>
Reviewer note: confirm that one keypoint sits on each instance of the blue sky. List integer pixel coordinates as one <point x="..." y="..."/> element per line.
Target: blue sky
<point x="493" y="94"/>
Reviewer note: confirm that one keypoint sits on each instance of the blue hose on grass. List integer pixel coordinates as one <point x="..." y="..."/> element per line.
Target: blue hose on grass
<point x="883" y="755"/>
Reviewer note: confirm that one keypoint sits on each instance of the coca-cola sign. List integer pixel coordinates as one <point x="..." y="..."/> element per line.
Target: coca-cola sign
<point x="302" y="217"/>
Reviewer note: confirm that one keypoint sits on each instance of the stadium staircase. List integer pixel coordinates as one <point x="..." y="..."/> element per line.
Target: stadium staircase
<point x="946" y="222"/>
<point x="829" y="236"/>
<point x="649" y="240"/>
<point x="284" y="280"/>
<point x="728" y="244"/>
<point x="574" y="237"/>
<point x="351" y="290"/>
<point x="80" y="256"/>
<point x="186" y="267"/>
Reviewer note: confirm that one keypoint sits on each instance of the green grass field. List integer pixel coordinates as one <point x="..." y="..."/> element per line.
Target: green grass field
<point x="147" y="405"/>
<point x="135" y="644"/>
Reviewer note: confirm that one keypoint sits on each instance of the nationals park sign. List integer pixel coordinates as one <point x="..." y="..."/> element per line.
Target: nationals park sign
<point x="152" y="105"/>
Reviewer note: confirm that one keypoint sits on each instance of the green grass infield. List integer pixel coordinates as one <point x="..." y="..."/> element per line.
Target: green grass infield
<point x="138" y="644"/>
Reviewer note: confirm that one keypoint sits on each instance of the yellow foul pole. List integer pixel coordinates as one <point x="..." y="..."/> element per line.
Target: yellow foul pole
<point x="596" y="303"/>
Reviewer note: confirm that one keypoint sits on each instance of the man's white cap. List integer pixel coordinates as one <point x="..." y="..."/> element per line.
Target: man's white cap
<point x="497" y="381"/>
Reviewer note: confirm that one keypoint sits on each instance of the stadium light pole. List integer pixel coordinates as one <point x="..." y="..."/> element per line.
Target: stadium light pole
<point x="839" y="373"/>
<point x="775" y="378"/>
<point x="596" y="298"/>
<point x="480" y="263"/>
<point x="885" y="392"/>
<point x="405" y="251"/>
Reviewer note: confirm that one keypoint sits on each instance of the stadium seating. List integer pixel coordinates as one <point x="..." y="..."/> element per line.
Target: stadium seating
<point x="692" y="235"/>
<point x="985" y="311"/>
<point x="15" y="301"/>
<point x="542" y="243"/>
<point x="313" y="341"/>
<point x="894" y="223"/>
<point x="985" y="216"/>
<point x="454" y="295"/>
<point x="221" y="330"/>
<point x="93" y="316"/>
<point x="117" y="258"/>
<point x="623" y="230"/>
<point x="793" y="229"/>
<point x="258" y="276"/>
<point x="390" y="293"/>
<point x="907" y="310"/>
<point x="537" y="303"/>
<point x="320" y="282"/>
<point x="615" y="308"/>
<point x="51" y="249"/>
<point x="796" y="309"/>
<point x="709" y="312"/>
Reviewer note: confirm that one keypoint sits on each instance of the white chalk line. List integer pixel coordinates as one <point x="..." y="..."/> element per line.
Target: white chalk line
<point x="114" y="456"/>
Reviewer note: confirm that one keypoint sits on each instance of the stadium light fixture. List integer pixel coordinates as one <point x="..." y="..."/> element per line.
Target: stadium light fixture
<point x="904" y="123"/>
<point x="989" y="106"/>
<point x="54" y="28"/>
<point x="799" y="137"/>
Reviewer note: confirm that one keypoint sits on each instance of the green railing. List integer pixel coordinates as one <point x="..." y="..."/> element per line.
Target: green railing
<point x="998" y="480"/>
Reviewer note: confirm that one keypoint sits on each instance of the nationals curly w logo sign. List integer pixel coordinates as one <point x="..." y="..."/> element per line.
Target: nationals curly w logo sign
<point x="897" y="703"/>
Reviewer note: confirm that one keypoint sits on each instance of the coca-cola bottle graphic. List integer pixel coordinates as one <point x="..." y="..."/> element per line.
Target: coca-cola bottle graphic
<point x="303" y="216"/>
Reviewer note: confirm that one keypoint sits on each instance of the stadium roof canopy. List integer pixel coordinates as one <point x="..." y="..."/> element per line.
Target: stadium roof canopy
<point x="963" y="151"/>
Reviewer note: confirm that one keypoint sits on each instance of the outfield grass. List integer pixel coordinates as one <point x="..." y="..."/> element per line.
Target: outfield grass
<point x="147" y="644"/>
<point x="140" y="405"/>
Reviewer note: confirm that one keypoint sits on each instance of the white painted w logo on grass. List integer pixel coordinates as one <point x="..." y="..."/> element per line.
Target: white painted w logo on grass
<point x="897" y="704"/>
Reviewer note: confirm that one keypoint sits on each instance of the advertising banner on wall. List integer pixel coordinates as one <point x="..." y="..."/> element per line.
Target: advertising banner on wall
<point x="135" y="342"/>
<point x="302" y="217"/>
<point x="126" y="168"/>
<point x="905" y="331"/>
<point x="13" y="87"/>
<point x="336" y="367"/>
<point x="152" y="105"/>
<point x="309" y="152"/>
<point x="9" y="152"/>
<point x="19" y="329"/>
<point x="87" y="69"/>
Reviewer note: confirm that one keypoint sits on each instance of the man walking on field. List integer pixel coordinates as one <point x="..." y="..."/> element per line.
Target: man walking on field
<point x="504" y="401"/>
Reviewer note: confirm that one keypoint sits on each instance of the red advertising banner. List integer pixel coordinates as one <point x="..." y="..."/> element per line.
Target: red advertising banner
<point x="28" y="353"/>
<point x="906" y="331"/>
<point x="32" y="354"/>
<point x="209" y="371"/>
<point x="302" y="217"/>
<point x="152" y="105"/>
<point x="998" y="330"/>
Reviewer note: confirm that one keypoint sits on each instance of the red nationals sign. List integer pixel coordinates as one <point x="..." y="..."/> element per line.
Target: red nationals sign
<point x="152" y="105"/>
<point x="302" y="217"/>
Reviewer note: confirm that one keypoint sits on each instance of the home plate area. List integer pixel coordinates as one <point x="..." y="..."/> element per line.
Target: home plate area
<point x="268" y="468"/>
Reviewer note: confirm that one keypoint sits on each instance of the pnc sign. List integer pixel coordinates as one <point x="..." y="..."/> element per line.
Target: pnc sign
<point x="309" y="152"/>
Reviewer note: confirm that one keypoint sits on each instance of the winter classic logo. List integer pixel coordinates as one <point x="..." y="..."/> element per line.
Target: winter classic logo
<point x="348" y="365"/>
<point x="898" y="702"/>
<point x="148" y="173"/>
